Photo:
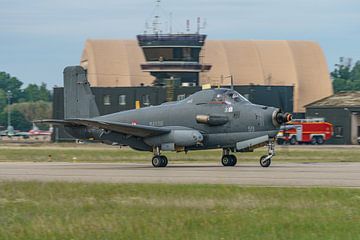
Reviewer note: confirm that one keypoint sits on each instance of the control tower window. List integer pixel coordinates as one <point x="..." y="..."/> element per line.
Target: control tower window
<point x="186" y="54"/>
<point x="157" y="54"/>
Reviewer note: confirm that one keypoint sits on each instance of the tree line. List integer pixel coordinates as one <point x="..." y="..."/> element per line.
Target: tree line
<point x="28" y="103"/>
<point x="346" y="77"/>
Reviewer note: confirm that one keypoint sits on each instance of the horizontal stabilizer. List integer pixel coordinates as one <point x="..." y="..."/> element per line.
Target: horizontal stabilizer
<point x="55" y="122"/>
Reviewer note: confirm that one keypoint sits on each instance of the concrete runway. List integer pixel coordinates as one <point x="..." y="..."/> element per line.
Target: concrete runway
<point x="279" y="174"/>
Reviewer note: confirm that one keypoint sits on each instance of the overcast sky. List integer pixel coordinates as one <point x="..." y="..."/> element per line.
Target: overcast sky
<point x="38" y="38"/>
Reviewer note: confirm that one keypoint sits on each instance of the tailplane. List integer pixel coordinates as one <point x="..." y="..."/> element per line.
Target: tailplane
<point x="79" y="101"/>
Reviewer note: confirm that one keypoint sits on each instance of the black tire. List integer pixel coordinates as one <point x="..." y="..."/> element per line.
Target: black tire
<point x="164" y="161"/>
<point x="157" y="161"/>
<point x="313" y="141"/>
<point x="320" y="140"/>
<point x="280" y="141"/>
<point x="265" y="163"/>
<point x="233" y="160"/>
<point x="228" y="160"/>
<point x="292" y="141"/>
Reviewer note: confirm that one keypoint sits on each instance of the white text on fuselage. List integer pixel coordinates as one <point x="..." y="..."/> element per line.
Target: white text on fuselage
<point x="156" y="123"/>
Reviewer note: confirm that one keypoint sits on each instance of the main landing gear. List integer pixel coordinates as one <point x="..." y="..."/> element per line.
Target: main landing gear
<point x="228" y="160"/>
<point x="159" y="160"/>
<point x="265" y="161"/>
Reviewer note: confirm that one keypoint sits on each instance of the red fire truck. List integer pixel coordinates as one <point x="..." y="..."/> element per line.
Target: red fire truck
<point x="313" y="131"/>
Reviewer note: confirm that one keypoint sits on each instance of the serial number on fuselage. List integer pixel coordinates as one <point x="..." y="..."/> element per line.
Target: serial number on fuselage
<point x="156" y="123"/>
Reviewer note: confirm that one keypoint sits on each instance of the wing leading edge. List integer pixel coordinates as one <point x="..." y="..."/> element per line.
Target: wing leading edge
<point x="123" y="128"/>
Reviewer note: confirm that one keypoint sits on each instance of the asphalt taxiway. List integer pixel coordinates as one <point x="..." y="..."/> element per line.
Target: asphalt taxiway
<point x="279" y="174"/>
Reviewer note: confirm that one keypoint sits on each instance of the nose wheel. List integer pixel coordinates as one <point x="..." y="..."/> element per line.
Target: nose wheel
<point x="265" y="160"/>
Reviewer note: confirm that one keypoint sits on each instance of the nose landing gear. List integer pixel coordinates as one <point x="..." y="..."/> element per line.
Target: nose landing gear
<point x="265" y="160"/>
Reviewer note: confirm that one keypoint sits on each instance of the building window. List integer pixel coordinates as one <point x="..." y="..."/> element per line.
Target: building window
<point x="146" y="100"/>
<point x="181" y="97"/>
<point x="122" y="100"/>
<point x="107" y="100"/>
<point x="338" y="131"/>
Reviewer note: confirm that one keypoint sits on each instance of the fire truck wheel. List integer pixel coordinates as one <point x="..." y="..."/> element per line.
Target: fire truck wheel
<point x="280" y="141"/>
<point x="313" y="140"/>
<point x="320" y="140"/>
<point x="293" y="140"/>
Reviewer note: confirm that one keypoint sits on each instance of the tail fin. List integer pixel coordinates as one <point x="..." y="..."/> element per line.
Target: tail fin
<point x="79" y="101"/>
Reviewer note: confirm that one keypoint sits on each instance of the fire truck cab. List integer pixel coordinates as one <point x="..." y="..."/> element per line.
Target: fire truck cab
<point x="313" y="131"/>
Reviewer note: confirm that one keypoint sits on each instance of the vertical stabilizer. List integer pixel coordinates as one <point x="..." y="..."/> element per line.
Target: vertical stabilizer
<point x="79" y="101"/>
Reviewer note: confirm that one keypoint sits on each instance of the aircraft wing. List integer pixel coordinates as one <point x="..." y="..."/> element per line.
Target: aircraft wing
<point x="123" y="128"/>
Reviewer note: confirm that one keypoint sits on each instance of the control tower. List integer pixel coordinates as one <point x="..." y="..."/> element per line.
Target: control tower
<point x="173" y="57"/>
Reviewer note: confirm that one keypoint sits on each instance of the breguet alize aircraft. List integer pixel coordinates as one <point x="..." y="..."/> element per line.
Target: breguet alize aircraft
<point x="208" y="119"/>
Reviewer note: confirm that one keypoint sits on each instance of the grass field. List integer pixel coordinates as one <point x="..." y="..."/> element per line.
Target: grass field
<point x="30" y="210"/>
<point x="101" y="153"/>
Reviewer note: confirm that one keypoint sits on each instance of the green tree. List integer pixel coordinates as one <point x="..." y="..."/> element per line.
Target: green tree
<point x="3" y="100"/>
<point x="355" y="72"/>
<point x="346" y="78"/>
<point x="35" y="93"/>
<point x="18" y="120"/>
<point x="44" y="93"/>
<point x="33" y="110"/>
<point x="13" y="84"/>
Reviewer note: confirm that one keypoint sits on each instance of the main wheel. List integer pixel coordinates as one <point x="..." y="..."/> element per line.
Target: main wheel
<point x="156" y="161"/>
<point x="313" y="140"/>
<point x="228" y="160"/>
<point x="159" y="161"/>
<point x="233" y="160"/>
<point x="320" y="140"/>
<point x="265" y="162"/>
<point x="293" y="140"/>
<point x="164" y="161"/>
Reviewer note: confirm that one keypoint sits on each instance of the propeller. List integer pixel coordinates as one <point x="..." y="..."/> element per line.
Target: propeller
<point x="281" y="119"/>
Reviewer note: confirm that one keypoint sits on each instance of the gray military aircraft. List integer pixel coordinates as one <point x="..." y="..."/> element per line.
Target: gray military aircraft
<point x="208" y="119"/>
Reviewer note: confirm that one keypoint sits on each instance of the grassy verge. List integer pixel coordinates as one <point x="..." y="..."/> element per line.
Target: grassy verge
<point x="94" y="153"/>
<point x="34" y="210"/>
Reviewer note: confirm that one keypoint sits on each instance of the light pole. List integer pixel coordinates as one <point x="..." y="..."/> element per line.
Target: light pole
<point x="231" y="81"/>
<point x="9" y="96"/>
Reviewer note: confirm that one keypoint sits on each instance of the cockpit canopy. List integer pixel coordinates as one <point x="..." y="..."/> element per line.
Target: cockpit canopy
<point x="216" y="95"/>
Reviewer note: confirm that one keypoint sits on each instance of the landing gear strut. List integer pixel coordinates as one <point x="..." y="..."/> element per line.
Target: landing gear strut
<point x="159" y="160"/>
<point x="228" y="160"/>
<point x="265" y="160"/>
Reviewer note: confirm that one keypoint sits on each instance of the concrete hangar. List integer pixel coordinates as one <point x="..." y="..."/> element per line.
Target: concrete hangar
<point x="168" y="67"/>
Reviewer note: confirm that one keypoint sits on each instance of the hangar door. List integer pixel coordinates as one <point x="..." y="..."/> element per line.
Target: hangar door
<point x="355" y="127"/>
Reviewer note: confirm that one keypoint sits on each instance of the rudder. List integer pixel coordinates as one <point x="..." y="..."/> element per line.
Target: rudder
<point x="79" y="101"/>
